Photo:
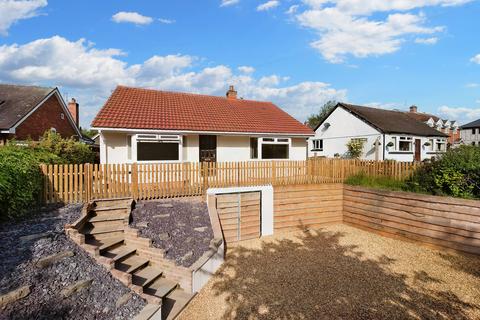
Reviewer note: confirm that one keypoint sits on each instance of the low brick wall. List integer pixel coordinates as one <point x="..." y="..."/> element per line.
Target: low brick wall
<point x="307" y="206"/>
<point x="439" y="221"/>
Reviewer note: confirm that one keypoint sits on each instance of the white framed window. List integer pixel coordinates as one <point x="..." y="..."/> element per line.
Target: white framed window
<point x="403" y="144"/>
<point x="62" y="116"/>
<point x="152" y="147"/>
<point x="441" y="145"/>
<point x="317" y="145"/>
<point x="275" y="148"/>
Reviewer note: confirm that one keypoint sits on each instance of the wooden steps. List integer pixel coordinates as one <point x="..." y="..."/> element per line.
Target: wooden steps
<point x="104" y="230"/>
<point x="175" y="303"/>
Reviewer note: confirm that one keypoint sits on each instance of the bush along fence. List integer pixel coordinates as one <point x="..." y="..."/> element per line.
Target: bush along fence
<point x="84" y="182"/>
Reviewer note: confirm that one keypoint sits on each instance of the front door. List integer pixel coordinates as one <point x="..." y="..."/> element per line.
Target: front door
<point x="208" y="148"/>
<point x="418" y="149"/>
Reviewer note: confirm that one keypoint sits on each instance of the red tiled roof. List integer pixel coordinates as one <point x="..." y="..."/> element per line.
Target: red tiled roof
<point x="136" y="108"/>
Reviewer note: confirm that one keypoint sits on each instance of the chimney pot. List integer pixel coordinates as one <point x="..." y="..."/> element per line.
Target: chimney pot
<point x="74" y="111"/>
<point x="413" y="109"/>
<point x="231" y="93"/>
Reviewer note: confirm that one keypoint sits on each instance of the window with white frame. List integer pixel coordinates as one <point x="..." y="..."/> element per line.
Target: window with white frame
<point x="403" y="144"/>
<point x="317" y="145"/>
<point x="152" y="147"/>
<point x="441" y="145"/>
<point x="275" y="148"/>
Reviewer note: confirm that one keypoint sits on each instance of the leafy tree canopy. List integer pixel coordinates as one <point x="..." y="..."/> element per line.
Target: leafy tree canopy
<point x="315" y="119"/>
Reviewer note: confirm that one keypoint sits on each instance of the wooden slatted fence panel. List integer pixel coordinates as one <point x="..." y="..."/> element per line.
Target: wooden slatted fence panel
<point x="81" y="183"/>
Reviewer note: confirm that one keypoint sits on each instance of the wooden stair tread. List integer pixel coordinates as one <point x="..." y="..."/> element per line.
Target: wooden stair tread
<point x="101" y="229"/>
<point x="101" y="209"/>
<point x="131" y="264"/>
<point x="122" y="252"/>
<point x="107" y="217"/>
<point x="146" y="276"/>
<point x="107" y="243"/>
<point x="161" y="287"/>
<point x="174" y="303"/>
<point x="147" y="312"/>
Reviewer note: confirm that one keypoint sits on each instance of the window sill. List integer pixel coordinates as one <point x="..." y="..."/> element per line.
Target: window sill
<point x="400" y="152"/>
<point x="316" y="150"/>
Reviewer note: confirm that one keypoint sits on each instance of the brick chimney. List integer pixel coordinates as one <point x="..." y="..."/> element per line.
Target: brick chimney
<point x="413" y="109"/>
<point x="231" y="93"/>
<point x="73" y="108"/>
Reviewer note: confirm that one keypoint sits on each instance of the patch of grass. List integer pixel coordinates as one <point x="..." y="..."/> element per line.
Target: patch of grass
<point x="382" y="183"/>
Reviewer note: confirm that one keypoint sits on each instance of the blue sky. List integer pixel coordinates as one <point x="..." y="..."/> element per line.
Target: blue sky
<point x="295" y="53"/>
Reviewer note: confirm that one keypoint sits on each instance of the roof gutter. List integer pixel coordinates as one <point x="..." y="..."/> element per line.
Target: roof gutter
<point x="230" y="133"/>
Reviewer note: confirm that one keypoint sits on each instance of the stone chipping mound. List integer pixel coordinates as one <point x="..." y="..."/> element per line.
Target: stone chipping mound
<point x="181" y="227"/>
<point x="19" y="266"/>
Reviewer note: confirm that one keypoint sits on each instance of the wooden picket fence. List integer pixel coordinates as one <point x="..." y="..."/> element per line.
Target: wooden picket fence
<point x="74" y="183"/>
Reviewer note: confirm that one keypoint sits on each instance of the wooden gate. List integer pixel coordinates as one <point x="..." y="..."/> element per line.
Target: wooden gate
<point x="240" y="215"/>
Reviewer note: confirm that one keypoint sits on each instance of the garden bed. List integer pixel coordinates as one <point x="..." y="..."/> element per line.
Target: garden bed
<point x="61" y="280"/>
<point x="181" y="227"/>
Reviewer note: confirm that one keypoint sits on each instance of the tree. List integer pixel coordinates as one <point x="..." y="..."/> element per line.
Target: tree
<point x="88" y="132"/>
<point x="315" y="119"/>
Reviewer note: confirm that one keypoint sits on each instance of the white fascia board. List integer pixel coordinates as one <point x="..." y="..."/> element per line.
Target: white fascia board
<point x="226" y="133"/>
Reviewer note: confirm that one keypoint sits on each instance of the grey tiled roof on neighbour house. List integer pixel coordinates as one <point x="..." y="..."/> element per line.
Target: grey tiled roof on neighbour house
<point x="390" y="121"/>
<point x="17" y="101"/>
<point x="473" y="124"/>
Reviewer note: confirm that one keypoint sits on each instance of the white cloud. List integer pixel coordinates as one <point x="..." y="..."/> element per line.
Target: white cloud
<point x="13" y="11"/>
<point x="166" y="21"/>
<point x="268" y="5"/>
<point x="293" y="9"/>
<point x="90" y="73"/>
<point x="427" y="41"/>
<point x="246" y="69"/>
<point x="472" y="85"/>
<point x="226" y="3"/>
<point x="356" y="27"/>
<point x="131" y="17"/>
<point x="461" y="114"/>
<point x="476" y="59"/>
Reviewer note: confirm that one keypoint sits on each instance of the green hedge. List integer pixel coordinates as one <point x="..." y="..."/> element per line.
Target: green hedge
<point x="20" y="176"/>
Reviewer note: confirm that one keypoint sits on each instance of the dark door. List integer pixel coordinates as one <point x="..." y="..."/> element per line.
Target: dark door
<point x="418" y="149"/>
<point x="208" y="148"/>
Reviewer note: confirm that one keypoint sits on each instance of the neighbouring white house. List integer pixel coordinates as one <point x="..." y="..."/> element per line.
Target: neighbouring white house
<point x="386" y="135"/>
<point x="470" y="133"/>
<point x="146" y="125"/>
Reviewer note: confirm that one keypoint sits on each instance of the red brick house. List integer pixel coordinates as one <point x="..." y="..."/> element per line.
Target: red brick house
<point x="28" y="111"/>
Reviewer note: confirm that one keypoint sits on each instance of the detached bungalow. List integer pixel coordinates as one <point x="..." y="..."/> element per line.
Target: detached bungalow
<point x="145" y="125"/>
<point x="386" y="135"/>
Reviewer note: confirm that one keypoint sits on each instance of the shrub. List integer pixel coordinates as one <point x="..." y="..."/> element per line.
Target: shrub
<point x="20" y="181"/>
<point x="355" y="148"/>
<point x="68" y="150"/>
<point x="456" y="173"/>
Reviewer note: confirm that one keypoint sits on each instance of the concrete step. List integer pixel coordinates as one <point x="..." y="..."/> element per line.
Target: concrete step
<point x="110" y="243"/>
<point x="174" y="303"/>
<point x="147" y="312"/>
<point x="144" y="277"/>
<point x="160" y="287"/>
<point x="131" y="264"/>
<point x="107" y="217"/>
<point x="94" y="230"/>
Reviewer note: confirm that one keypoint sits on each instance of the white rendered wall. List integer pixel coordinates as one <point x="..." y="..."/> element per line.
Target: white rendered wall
<point x="343" y="127"/>
<point x="298" y="149"/>
<point x="233" y="148"/>
<point x="115" y="146"/>
<point x="190" y="148"/>
<point x="468" y="137"/>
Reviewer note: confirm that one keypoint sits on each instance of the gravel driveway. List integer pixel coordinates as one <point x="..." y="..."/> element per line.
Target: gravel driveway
<point x="339" y="272"/>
